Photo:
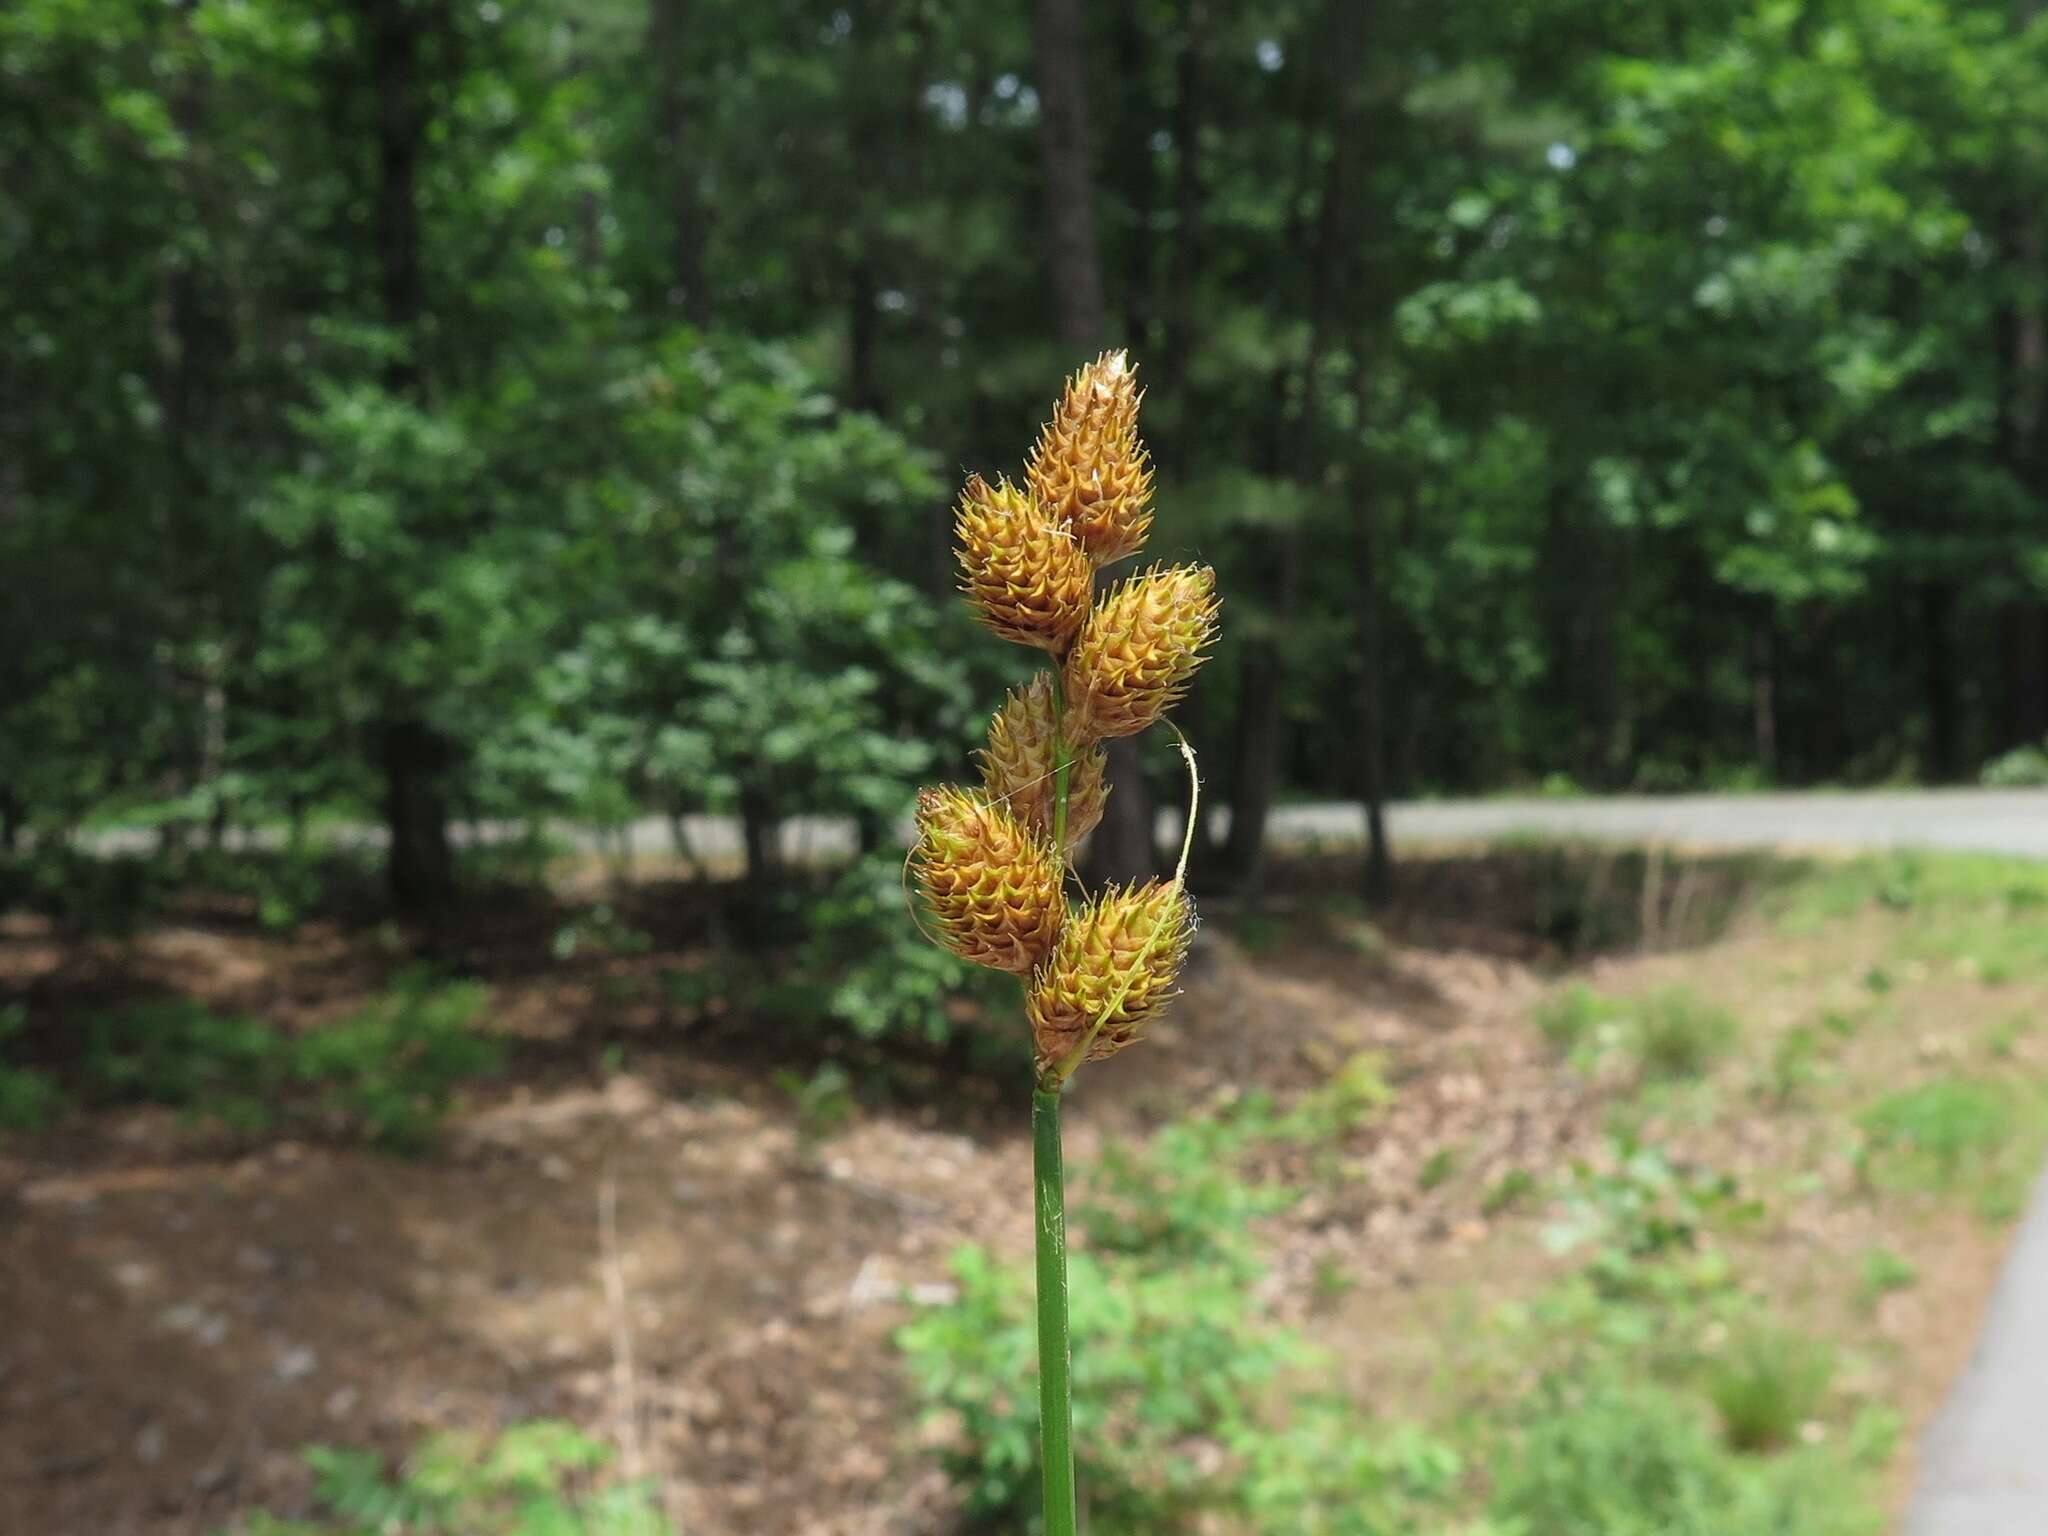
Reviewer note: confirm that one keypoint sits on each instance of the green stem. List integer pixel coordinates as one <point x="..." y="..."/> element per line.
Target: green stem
<point x="1055" y="1391"/>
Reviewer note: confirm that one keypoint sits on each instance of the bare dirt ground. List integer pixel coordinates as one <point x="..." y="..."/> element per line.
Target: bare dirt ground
<point x="183" y="1314"/>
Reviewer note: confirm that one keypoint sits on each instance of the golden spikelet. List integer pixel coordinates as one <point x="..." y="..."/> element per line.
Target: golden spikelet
<point x="1026" y="575"/>
<point x="994" y="887"/>
<point x="1017" y="765"/>
<point x="1137" y="651"/>
<point x="1088" y="469"/>
<point x="1115" y="961"/>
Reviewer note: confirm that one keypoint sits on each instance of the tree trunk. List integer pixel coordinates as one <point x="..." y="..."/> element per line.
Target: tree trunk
<point x="1372" y="728"/>
<point x="1059" y="46"/>
<point x="1944" y="716"/>
<point x="2024" y="644"/>
<point x="760" y="831"/>
<point x="667" y="36"/>
<point x="416" y="758"/>
<point x="1262" y="735"/>
<point x="422" y="867"/>
<point x="1122" y="848"/>
<point x="1763" y="691"/>
<point x="1177" y="342"/>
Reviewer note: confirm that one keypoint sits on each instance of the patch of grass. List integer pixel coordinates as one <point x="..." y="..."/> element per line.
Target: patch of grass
<point x="1957" y="1134"/>
<point x="1767" y="1384"/>
<point x="1669" y="1034"/>
<point x="1571" y="1018"/>
<point x="1884" y="1272"/>
<point x="1631" y="1458"/>
<point x="1678" y="1034"/>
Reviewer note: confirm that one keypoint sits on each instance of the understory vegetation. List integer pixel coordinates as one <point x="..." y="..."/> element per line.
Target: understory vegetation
<point x="1751" y="1048"/>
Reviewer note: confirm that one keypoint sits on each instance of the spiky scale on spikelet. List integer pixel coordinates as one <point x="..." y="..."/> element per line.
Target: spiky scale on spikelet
<point x="1088" y="468"/>
<point x="1125" y="944"/>
<point x="1140" y="646"/>
<point x="1017" y="765"/>
<point x="992" y="885"/>
<point x="1026" y="574"/>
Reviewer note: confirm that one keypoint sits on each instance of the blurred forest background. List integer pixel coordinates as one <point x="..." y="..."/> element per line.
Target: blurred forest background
<point x="420" y="411"/>
<point x="476" y="599"/>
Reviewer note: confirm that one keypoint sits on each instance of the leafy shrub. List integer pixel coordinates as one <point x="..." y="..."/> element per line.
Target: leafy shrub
<point x="386" y="1072"/>
<point x="1767" y="1384"/>
<point x="391" y="1068"/>
<point x="535" y="1479"/>
<point x="29" y="1098"/>
<point x="1642" y="1209"/>
<point x="863" y="966"/>
<point x="1177" y="1415"/>
<point x="2021" y="768"/>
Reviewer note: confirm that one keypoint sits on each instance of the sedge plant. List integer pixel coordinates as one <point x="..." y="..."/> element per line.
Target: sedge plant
<point x="994" y="863"/>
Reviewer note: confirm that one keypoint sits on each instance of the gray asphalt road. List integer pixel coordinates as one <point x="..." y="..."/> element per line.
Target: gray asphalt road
<point x="1989" y="821"/>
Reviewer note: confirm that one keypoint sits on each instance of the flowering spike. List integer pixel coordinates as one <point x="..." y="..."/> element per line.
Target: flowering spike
<point x="1017" y="765"/>
<point x="994" y="887"/>
<point x="1137" y="651"/>
<point x="1115" y="962"/>
<point x="1088" y="469"/>
<point x="1025" y="573"/>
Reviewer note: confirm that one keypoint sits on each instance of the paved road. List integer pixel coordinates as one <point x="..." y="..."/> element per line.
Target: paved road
<point x="1990" y="821"/>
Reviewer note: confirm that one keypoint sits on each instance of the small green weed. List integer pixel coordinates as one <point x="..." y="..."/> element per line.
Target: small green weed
<point x="1442" y="1163"/>
<point x="1767" y="1384"/>
<point x="1510" y="1192"/>
<point x="1677" y="1034"/>
<point x="1795" y="1066"/>
<point x="1570" y="1019"/>
<point x="823" y="1103"/>
<point x="1884" y="1272"/>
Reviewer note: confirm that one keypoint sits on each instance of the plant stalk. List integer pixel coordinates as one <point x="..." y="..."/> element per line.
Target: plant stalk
<point x="1049" y="1193"/>
<point x="1055" y="1350"/>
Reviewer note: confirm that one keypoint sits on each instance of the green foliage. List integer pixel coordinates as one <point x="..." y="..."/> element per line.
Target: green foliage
<point x="385" y="1072"/>
<point x="1669" y="1034"/>
<point x="823" y="1103"/>
<point x="1766" y="1383"/>
<point x="534" y="1479"/>
<point x="1679" y="1035"/>
<point x="1638" y="1210"/>
<point x="1608" y="1457"/>
<point x="2021" y="768"/>
<point x="1954" y="1133"/>
<point x="1885" y="1272"/>
<point x="864" y="965"/>
<point x="29" y="1098"/>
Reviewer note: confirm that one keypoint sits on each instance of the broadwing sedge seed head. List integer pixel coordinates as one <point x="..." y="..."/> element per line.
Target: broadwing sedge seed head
<point x="1135" y="654"/>
<point x="1017" y="765"/>
<point x="1088" y="469"/>
<point x="994" y="887"/>
<point x="1027" y="576"/>
<point x="1126" y="944"/>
